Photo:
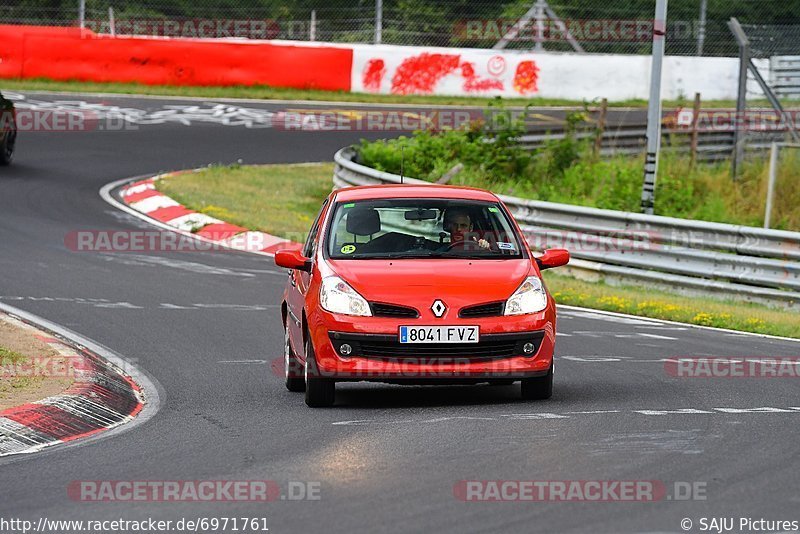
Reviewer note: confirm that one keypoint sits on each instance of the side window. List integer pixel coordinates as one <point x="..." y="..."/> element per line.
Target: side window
<point x="308" y="249"/>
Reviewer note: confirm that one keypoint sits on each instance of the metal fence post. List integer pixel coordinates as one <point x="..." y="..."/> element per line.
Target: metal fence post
<point x="741" y="97"/>
<point x="654" y="110"/>
<point x="701" y="31"/>
<point x="540" y="19"/>
<point x="312" y="30"/>
<point x="773" y="171"/>
<point x="695" y="120"/>
<point x="378" y="21"/>
<point x="112" y="26"/>
<point x="82" y="13"/>
<point x="601" y="127"/>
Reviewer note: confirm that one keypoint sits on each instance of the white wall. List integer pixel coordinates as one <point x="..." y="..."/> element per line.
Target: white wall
<point x="422" y="70"/>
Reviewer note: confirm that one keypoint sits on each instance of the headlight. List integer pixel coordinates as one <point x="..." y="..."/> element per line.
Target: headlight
<point x="530" y="297"/>
<point x="337" y="296"/>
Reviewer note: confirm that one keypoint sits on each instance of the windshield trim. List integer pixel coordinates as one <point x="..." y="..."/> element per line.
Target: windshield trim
<point x="334" y="207"/>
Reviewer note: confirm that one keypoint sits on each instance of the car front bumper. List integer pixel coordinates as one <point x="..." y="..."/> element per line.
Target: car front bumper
<point x="375" y="352"/>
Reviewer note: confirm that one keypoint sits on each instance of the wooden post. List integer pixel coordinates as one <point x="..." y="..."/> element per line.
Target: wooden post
<point x="695" y="119"/>
<point x="601" y="127"/>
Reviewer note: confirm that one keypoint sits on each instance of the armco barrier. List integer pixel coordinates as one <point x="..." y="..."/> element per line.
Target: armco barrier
<point x="733" y="260"/>
<point x="631" y="140"/>
<point x="74" y="54"/>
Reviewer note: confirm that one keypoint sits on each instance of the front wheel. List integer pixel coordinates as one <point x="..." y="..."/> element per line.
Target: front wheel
<point x="320" y="391"/>
<point x="538" y="388"/>
<point x="292" y="370"/>
<point x="7" y="147"/>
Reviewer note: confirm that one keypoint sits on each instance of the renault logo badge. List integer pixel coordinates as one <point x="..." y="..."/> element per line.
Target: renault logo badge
<point x="438" y="308"/>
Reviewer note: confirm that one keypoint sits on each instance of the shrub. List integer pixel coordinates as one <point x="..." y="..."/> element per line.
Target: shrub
<point x="565" y="171"/>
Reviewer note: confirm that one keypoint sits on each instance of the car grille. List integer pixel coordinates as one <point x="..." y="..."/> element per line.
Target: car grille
<point x="390" y="310"/>
<point x="490" y="309"/>
<point x="490" y="346"/>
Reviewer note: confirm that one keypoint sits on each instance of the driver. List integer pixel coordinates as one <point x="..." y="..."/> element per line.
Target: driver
<point x="458" y="224"/>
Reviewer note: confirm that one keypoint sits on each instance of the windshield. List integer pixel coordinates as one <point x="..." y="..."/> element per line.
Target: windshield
<point x="421" y="228"/>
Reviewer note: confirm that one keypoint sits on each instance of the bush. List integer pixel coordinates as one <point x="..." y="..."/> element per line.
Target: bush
<point x="566" y="171"/>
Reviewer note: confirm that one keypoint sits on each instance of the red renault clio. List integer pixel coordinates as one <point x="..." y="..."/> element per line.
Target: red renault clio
<point x="416" y="284"/>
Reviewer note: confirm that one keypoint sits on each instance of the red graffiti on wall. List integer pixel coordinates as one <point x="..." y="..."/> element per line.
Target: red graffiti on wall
<point x="420" y="74"/>
<point x="474" y="83"/>
<point x="526" y="77"/>
<point x="374" y="72"/>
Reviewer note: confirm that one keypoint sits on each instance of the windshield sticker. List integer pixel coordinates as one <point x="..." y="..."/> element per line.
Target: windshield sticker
<point x="348" y="205"/>
<point x="505" y="246"/>
<point x="493" y="210"/>
<point x="348" y="249"/>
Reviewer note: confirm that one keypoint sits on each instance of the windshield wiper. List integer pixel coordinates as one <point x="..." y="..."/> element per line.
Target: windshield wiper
<point x="425" y="254"/>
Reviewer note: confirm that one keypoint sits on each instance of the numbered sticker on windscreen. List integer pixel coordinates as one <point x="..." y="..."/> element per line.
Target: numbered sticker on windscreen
<point x="506" y="246"/>
<point x="348" y="249"/>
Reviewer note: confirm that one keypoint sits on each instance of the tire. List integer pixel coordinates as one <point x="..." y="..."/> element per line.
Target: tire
<point x="292" y="370"/>
<point x="538" y="388"/>
<point x="320" y="391"/>
<point x="7" y="147"/>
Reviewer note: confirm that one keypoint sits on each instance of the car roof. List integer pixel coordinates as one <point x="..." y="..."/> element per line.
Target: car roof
<point x="372" y="192"/>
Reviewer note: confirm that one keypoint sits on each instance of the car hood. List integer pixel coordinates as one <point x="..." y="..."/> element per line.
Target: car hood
<point x="419" y="282"/>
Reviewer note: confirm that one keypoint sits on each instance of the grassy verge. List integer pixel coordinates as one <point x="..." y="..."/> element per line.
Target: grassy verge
<point x="663" y="305"/>
<point x="12" y="384"/>
<point x="22" y="379"/>
<point x="281" y="200"/>
<point x="284" y="199"/>
<point x="279" y="93"/>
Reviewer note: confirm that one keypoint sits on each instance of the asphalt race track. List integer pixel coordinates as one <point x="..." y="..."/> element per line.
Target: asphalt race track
<point x="205" y="327"/>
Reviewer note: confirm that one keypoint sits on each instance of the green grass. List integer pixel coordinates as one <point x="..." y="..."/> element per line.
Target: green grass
<point x="284" y="199"/>
<point x="279" y="93"/>
<point x="703" y="311"/>
<point x="9" y="356"/>
<point x="281" y="200"/>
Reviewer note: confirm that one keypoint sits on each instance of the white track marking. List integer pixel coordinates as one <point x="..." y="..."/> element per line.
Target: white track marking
<point x="186" y="115"/>
<point x="151" y="204"/>
<point x="656" y="336"/>
<point x="550" y="416"/>
<point x="564" y="310"/>
<point x="191" y="221"/>
<point x="159" y="261"/>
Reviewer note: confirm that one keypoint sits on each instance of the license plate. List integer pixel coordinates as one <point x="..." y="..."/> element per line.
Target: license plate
<point x="438" y="334"/>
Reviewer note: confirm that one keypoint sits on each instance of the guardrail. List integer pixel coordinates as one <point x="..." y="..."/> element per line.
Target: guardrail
<point x="631" y="140"/>
<point x="785" y="76"/>
<point x="742" y="261"/>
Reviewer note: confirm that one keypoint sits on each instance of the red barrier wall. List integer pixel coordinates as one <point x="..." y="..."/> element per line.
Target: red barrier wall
<point x="69" y="54"/>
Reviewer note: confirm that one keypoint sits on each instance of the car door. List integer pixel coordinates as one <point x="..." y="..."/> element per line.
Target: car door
<point x="299" y="282"/>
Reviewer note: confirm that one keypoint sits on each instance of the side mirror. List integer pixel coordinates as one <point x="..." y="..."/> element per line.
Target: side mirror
<point x="292" y="259"/>
<point x="554" y="257"/>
